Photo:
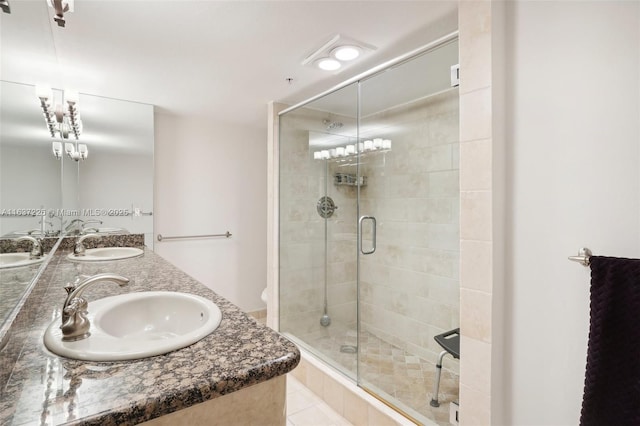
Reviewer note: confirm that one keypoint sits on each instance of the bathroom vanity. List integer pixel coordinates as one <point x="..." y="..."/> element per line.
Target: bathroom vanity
<point x="235" y="375"/>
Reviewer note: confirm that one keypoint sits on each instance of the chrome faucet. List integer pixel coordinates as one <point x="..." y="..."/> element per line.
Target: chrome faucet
<point x="75" y="324"/>
<point x="85" y="223"/>
<point x="72" y="223"/>
<point x="36" y="249"/>
<point x="78" y="248"/>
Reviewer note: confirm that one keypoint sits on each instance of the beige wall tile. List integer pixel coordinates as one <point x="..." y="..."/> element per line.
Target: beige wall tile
<point x="333" y="394"/>
<point x="475" y="315"/>
<point x="475" y="220"/>
<point x="379" y="419"/>
<point x="445" y="184"/>
<point x="315" y="380"/>
<point x="474" y="407"/>
<point x="475" y="165"/>
<point x="443" y="128"/>
<point x="431" y="210"/>
<point x="475" y="115"/>
<point x="476" y="262"/>
<point x="300" y="372"/>
<point x="475" y="45"/>
<point x="475" y="364"/>
<point x="355" y="409"/>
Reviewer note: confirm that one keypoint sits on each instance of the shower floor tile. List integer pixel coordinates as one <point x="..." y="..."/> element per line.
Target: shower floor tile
<point x="389" y="369"/>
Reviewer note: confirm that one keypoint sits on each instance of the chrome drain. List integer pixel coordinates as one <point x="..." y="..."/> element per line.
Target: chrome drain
<point x="326" y="207"/>
<point x="348" y="349"/>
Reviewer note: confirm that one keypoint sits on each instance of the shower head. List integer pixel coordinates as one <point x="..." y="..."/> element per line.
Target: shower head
<point x="332" y="124"/>
<point x="325" y="321"/>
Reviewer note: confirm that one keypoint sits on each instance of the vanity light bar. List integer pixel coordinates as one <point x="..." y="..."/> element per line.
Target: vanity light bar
<point x="59" y="120"/>
<point x="377" y="144"/>
<point x="74" y="119"/>
<point x="48" y="114"/>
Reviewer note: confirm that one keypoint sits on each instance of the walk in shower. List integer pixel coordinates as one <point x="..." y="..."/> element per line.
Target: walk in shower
<point x="368" y="228"/>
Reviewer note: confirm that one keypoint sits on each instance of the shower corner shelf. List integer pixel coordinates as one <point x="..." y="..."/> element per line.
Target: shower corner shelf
<point x="348" y="179"/>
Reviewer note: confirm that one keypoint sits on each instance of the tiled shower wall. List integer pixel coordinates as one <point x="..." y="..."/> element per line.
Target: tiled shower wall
<point x="302" y="232"/>
<point x="410" y="286"/>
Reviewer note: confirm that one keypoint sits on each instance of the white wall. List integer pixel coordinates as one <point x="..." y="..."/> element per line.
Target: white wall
<point x="131" y="187"/>
<point x="29" y="179"/>
<point x="209" y="178"/>
<point x="572" y="136"/>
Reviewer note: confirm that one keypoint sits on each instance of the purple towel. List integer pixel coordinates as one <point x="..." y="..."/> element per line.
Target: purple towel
<point x="612" y="379"/>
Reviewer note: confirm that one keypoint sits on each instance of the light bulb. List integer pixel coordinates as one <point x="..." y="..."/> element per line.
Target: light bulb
<point x="71" y="96"/>
<point x="44" y="92"/>
<point x="346" y="53"/>
<point x="83" y="150"/>
<point x="57" y="149"/>
<point x="328" y="64"/>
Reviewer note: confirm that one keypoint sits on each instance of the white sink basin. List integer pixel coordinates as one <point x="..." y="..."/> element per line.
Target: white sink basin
<point x="107" y="253"/>
<point x="16" y="260"/>
<point x="138" y="325"/>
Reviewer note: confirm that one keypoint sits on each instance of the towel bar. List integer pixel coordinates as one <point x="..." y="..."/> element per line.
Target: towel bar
<point x="226" y="234"/>
<point x="583" y="256"/>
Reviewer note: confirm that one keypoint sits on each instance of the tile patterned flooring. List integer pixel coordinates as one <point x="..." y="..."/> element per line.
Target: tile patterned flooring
<point x="304" y="408"/>
<point x="389" y="369"/>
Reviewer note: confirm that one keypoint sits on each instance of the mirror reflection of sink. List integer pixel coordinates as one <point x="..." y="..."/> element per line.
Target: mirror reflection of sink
<point x="138" y="325"/>
<point x="32" y="232"/>
<point x="17" y="260"/>
<point x="106" y="254"/>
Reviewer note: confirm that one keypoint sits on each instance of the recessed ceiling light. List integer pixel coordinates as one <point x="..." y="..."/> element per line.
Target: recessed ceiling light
<point x="346" y="53"/>
<point x="328" y="64"/>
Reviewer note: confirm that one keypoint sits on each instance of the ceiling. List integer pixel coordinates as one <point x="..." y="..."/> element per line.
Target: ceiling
<point x="224" y="60"/>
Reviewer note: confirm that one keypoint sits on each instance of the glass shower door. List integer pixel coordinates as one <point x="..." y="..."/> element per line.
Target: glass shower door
<point x="408" y="251"/>
<point x="318" y="193"/>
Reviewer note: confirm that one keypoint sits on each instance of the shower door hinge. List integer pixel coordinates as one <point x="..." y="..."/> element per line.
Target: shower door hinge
<point x="455" y="75"/>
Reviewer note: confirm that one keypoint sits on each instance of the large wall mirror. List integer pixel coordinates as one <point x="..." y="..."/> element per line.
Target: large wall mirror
<point x="48" y="194"/>
<point x="108" y="189"/>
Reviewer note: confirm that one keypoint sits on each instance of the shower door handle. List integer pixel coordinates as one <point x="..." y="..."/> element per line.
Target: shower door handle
<point x="373" y="239"/>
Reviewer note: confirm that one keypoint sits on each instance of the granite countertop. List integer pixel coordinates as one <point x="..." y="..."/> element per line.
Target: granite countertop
<point x="39" y="387"/>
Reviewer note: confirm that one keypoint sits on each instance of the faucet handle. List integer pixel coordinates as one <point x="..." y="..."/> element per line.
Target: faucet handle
<point x="75" y="324"/>
<point x="72" y="286"/>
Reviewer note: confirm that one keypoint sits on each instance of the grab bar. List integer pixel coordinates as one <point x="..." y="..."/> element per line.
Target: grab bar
<point x="226" y="234"/>
<point x="583" y="257"/>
